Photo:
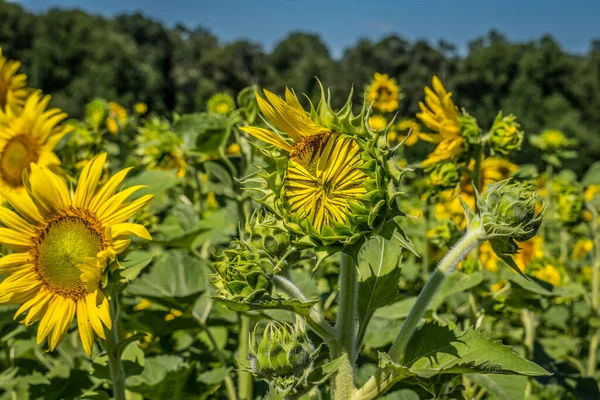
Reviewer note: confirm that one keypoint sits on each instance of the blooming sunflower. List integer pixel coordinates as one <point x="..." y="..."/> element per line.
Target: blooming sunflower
<point x="550" y="274"/>
<point x="440" y="114"/>
<point x="383" y="93"/>
<point x="13" y="87"/>
<point x="29" y="138"/>
<point x="377" y="122"/>
<point x="581" y="248"/>
<point x="61" y="245"/>
<point x="331" y="177"/>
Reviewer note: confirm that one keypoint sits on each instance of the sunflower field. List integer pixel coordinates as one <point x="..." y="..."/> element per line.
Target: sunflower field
<point x="275" y="245"/>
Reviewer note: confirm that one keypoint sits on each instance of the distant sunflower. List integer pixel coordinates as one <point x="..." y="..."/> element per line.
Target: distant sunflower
<point x="62" y="244"/>
<point x="377" y="123"/>
<point x="117" y="117"/>
<point x="550" y="274"/>
<point x="13" y="87"/>
<point x="29" y="138"/>
<point x="409" y="131"/>
<point x="384" y="93"/>
<point x="440" y="114"/>
<point x="221" y="103"/>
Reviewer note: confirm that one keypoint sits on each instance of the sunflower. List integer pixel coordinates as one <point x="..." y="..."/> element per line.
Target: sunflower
<point x="62" y="243"/>
<point x="377" y="122"/>
<point x="550" y="274"/>
<point x="581" y="248"/>
<point x="330" y="185"/>
<point x="117" y="117"/>
<point x="410" y="132"/>
<point x="140" y="108"/>
<point x="221" y="103"/>
<point x="532" y="249"/>
<point x="383" y="93"/>
<point x="440" y="114"/>
<point x="29" y="138"/>
<point x="13" y="87"/>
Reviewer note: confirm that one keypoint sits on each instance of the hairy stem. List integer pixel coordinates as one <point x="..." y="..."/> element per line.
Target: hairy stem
<point x="385" y="378"/>
<point x="117" y="373"/>
<point x="314" y="319"/>
<point x="245" y="383"/>
<point x="347" y="314"/>
<point x="595" y="235"/>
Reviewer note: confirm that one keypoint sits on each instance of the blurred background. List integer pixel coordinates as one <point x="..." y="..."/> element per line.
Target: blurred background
<point x="538" y="59"/>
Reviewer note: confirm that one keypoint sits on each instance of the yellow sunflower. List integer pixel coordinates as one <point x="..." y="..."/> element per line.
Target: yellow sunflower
<point x="383" y="93"/>
<point x="323" y="180"/>
<point x="410" y="130"/>
<point x="377" y="122"/>
<point x="13" y="87"/>
<point x="29" y="138"/>
<point x="551" y="274"/>
<point x="440" y="114"/>
<point x="581" y="248"/>
<point x="530" y="250"/>
<point x="61" y="244"/>
<point x="117" y="117"/>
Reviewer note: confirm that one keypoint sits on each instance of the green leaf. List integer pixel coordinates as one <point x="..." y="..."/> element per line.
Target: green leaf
<point x="435" y="349"/>
<point x="175" y="279"/>
<point x="295" y="305"/>
<point x="502" y="387"/>
<point x="135" y="262"/>
<point x="157" y="181"/>
<point x="203" y="133"/>
<point x="592" y="176"/>
<point x="392" y="231"/>
<point x="163" y="378"/>
<point x="379" y="267"/>
<point x="321" y="373"/>
<point x="457" y="282"/>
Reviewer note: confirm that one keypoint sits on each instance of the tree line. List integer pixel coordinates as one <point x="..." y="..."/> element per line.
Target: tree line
<point x="77" y="57"/>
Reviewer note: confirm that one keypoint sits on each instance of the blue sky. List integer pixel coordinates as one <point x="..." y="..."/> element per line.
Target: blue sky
<point x="573" y="23"/>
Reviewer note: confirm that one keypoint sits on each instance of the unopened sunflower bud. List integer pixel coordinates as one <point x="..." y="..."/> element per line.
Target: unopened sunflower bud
<point x="509" y="210"/>
<point x="508" y="214"/>
<point x="96" y="113"/>
<point x="551" y="141"/>
<point x="469" y="128"/>
<point x="444" y="175"/>
<point x="284" y="350"/>
<point x="570" y="205"/>
<point x="506" y="134"/>
<point x="265" y="231"/>
<point x="243" y="275"/>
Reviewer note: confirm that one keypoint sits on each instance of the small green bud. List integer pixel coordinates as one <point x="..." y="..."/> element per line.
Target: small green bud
<point x="243" y="275"/>
<point x="570" y="205"/>
<point x="552" y="141"/>
<point x="506" y="134"/>
<point x="96" y="113"/>
<point x="284" y="350"/>
<point x="444" y="175"/>
<point x="469" y="128"/>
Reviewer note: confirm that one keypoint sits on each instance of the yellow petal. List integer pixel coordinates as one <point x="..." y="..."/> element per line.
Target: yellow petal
<point x="267" y="136"/>
<point x="126" y="212"/>
<point x="128" y="229"/>
<point x="14" y="221"/>
<point x="108" y="189"/>
<point x="48" y="191"/>
<point x="84" y="326"/>
<point x="13" y="262"/>
<point x="88" y="181"/>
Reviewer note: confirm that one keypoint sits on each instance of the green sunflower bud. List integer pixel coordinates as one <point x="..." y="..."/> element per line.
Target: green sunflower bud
<point x="552" y="141"/>
<point x="469" y="128"/>
<point x="221" y="103"/>
<point x="283" y="351"/>
<point x="506" y="134"/>
<point x="243" y="275"/>
<point x="444" y="175"/>
<point x="95" y="113"/>
<point x="509" y="209"/>
<point x="265" y="231"/>
<point x="570" y="205"/>
<point x="508" y="213"/>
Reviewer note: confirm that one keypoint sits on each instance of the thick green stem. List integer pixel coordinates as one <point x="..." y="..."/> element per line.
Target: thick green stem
<point x="245" y="383"/>
<point x="530" y="324"/>
<point x="425" y="258"/>
<point x="314" y="318"/>
<point x="347" y="315"/>
<point x="117" y="373"/>
<point x="385" y="378"/>
<point x="445" y="268"/>
<point x="593" y="350"/>
<point x="344" y="380"/>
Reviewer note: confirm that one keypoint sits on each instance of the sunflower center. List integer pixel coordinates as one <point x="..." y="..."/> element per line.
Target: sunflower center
<point x="18" y="154"/>
<point x="66" y="242"/>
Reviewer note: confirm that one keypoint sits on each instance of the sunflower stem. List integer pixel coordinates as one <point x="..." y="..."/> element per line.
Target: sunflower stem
<point x="245" y="383"/>
<point x="347" y="317"/>
<point x="117" y="372"/>
<point x="385" y="378"/>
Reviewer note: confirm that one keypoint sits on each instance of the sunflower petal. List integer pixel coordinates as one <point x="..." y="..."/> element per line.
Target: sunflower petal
<point x="88" y="181"/>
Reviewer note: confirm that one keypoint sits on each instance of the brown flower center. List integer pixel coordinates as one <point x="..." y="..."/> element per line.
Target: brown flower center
<point x="18" y="154"/>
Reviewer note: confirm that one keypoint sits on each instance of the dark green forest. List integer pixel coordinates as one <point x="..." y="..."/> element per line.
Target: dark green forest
<point x="76" y="57"/>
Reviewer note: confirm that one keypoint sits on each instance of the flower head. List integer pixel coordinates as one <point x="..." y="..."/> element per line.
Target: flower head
<point x="440" y="114"/>
<point x="159" y="146"/>
<point x="117" y="117"/>
<point x="13" y="88"/>
<point x="96" y="113"/>
<point x="62" y="243"/>
<point x="29" y="138"/>
<point x="547" y="271"/>
<point x="377" y="123"/>
<point x="384" y="93"/>
<point x="140" y="108"/>
<point x="552" y="140"/>
<point x="221" y="103"/>
<point x="570" y="204"/>
<point x="581" y="248"/>
<point x="330" y="180"/>
<point x="409" y="131"/>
